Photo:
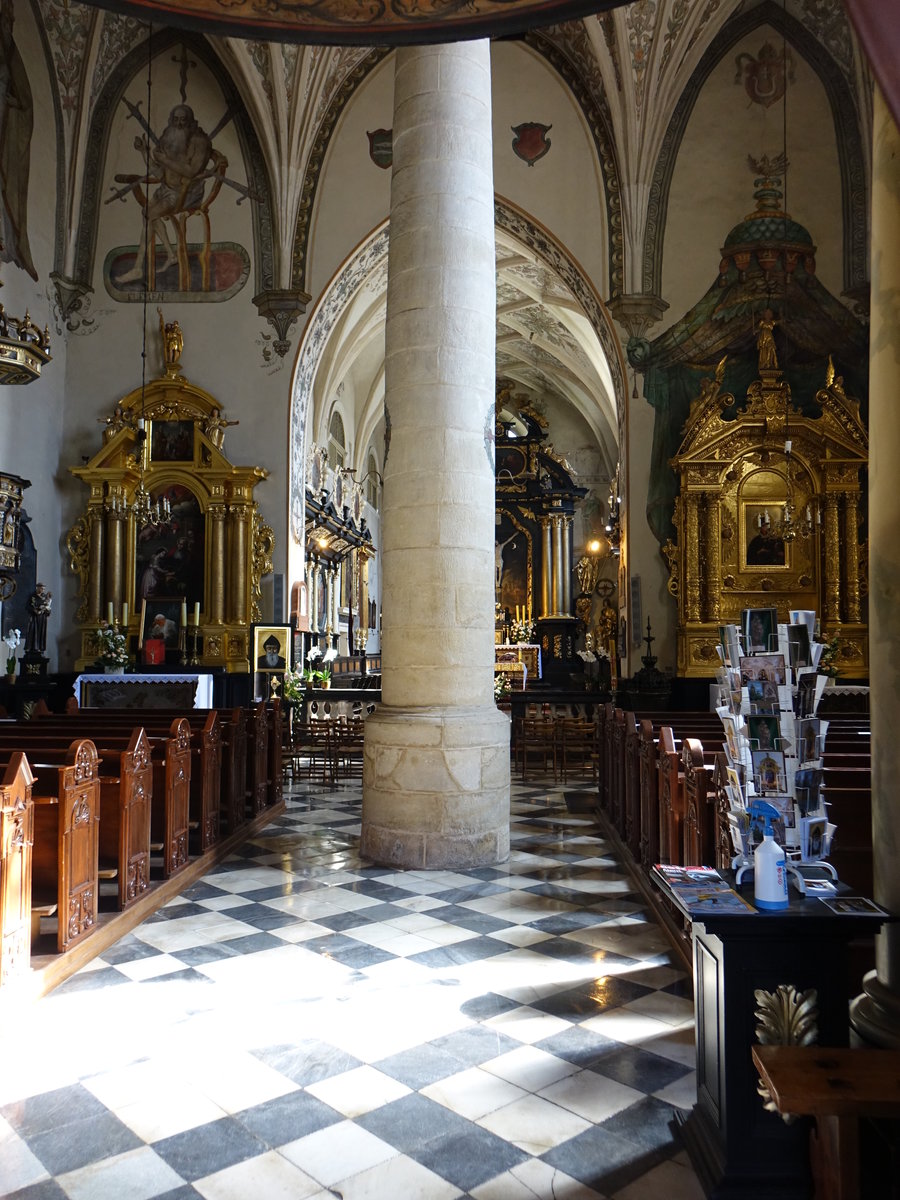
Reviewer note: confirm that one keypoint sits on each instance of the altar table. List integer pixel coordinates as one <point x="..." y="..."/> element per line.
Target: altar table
<point x="184" y="689"/>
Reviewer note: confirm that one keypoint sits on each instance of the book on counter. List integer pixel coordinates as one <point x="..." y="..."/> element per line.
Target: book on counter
<point x="700" y="889"/>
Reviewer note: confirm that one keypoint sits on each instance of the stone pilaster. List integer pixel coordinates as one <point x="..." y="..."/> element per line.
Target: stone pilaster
<point x="436" y="772"/>
<point x="875" y="1015"/>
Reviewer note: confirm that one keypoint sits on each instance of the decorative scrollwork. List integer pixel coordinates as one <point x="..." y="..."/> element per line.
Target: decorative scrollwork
<point x="785" y="1017"/>
<point x="263" y="542"/>
<point x="669" y="552"/>
<point x="78" y="544"/>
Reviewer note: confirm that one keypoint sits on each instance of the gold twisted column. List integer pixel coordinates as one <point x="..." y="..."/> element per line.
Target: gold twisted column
<point x="851" y="556"/>
<point x="215" y="601"/>
<point x="96" y="564"/>
<point x="832" y="605"/>
<point x="115" y="559"/>
<point x="546" y="566"/>
<point x="712" y="574"/>
<point x="692" y="558"/>
<point x="239" y="522"/>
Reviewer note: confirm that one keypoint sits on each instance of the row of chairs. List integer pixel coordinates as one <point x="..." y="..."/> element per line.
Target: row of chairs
<point x="567" y="746"/>
<point x="326" y="751"/>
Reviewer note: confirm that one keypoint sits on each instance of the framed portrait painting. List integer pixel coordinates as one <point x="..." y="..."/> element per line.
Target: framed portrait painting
<point x="762" y="535"/>
<point x="271" y="647"/>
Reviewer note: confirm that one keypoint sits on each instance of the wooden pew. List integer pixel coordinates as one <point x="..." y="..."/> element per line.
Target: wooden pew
<point x="699" y="825"/>
<point x="126" y="789"/>
<point x="171" y="764"/>
<point x="206" y="754"/>
<point x="837" y="1086"/>
<point x="257" y="758"/>
<point x="16" y="839"/>
<point x="65" y="852"/>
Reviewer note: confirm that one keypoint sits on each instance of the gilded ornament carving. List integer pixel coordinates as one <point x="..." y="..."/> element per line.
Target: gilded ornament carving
<point x="263" y="540"/>
<point x="78" y="544"/>
<point x="785" y="1017"/>
<point x="669" y="552"/>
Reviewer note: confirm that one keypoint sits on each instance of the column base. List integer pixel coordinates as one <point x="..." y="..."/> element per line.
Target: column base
<point x="436" y="787"/>
<point x="875" y="1015"/>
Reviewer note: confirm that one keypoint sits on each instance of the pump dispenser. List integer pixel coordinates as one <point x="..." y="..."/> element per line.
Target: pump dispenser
<point x="769" y="870"/>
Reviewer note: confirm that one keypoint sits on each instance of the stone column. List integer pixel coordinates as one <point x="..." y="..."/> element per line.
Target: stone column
<point x="875" y="1015"/>
<point x="436" y="770"/>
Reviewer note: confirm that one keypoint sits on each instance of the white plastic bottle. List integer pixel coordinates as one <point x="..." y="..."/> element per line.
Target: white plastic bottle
<point x="770" y="885"/>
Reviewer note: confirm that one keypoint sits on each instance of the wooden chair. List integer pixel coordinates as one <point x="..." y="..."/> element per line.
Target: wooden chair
<point x="537" y="745"/>
<point x="577" y="747"/>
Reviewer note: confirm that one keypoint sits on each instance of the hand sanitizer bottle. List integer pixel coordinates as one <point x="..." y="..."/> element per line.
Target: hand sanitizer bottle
<point x="769" y="870"/>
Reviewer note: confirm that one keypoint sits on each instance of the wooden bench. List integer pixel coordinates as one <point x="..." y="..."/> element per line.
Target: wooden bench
<point x="16" y="839"/>
<point x="126" y="789"/>
<point x="206" y="754"/>
<point x="837" y="1086"/>
<point x="66" y="842"/>
<point x="171" y="765"/>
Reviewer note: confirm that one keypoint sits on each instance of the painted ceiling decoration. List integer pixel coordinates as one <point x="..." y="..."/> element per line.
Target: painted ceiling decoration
<point x="361" y="22"/>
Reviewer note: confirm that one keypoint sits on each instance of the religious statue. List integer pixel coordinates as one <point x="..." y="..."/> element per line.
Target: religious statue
<point x="38" y="608"/>
<point x="498" y="560"/>
<point x="765" y="342"/>
<point x="173" y="340"/>
<point x="214" y="427"/>
<point x="607" y="626"/>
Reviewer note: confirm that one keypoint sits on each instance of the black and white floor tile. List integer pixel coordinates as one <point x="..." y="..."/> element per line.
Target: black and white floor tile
<point x="300" y="1024"/>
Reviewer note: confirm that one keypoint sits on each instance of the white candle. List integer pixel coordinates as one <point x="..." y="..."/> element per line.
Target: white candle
<point x="787" y="446"/>
<point x="183" y="613"/>
<point x="196" y="612"/>
<point x="109" y="613"/>
<point x="125" y="613"/>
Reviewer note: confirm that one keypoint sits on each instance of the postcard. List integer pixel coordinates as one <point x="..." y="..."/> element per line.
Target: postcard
<point x="852" y="905"/>
<point x="812" y="837"/>
<point x="768" y="770"/>
<point x="767" y="668"/>
<point x="764" y="732"/>
<point x="760" y="629"/>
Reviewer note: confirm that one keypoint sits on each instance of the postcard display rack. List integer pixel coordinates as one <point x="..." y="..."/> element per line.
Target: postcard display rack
<point x="769" y="690"/>
<point x="769" y="697"/>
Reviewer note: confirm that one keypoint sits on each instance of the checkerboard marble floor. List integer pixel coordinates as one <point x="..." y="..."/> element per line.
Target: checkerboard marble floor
<point x="302" y="1024"/>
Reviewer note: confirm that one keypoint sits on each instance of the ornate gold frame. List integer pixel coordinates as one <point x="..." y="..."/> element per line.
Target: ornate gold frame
<point x="771" y="454"/>
<point x="238" y="543"/>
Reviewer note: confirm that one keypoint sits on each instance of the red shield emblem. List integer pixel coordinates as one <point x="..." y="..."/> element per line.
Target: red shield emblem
<point x="381" y="147"/>
<point x="764" y="77"/>
<point x="531" y="141"/>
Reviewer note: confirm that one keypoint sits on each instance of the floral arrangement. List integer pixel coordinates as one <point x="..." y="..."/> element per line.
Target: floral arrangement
<point x="501" y="686"/>
<point x="828" y="659"/>
<point x="319" y="676"/>
<point x="112" y="645"/>
<point x="292" y="685"/>
<point x="522" y="631"/>
<point x="12" y="637"/>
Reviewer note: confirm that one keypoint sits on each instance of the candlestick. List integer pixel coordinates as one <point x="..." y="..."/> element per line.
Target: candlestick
<point x="143" y="620"/>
